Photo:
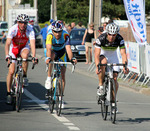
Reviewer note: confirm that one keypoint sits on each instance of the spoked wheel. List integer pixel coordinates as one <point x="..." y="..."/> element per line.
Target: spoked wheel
<point x="51" y="101"/>
<point x="113" y="103"/>
<point x="104" y="109"/>
<point x="59" y="96"/>
<point x="19" y="93"/>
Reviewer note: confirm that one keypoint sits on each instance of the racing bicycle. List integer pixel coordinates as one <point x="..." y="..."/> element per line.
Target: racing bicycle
<point x="55" y="93"/>
<point x="109" y="97"/>
<point x="17" y="83"/>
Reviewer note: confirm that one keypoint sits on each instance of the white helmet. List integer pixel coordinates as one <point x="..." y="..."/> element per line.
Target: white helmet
<point x="57" y="26"/>
<point x="112" y="28"/>
<point x="23" y="18"/>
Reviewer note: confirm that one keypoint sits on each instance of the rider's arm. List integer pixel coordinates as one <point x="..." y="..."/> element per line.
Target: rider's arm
<point x="69" y="52"/>
<point x="32" y="44"/>
<point x="124" y="55"/>
<point x="7" y="45"/>
<point x="49" y="45"/>
<point x="97" y="54"/>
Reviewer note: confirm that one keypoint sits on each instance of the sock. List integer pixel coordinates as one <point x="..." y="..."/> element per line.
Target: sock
<point x="24" y="75"/>
<point x="8" y="93"/>
<point x="48" y="78"/>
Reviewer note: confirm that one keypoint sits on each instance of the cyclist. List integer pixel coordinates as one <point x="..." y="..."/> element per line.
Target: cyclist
<point x="105" y="52"/>
<point x="57" y="45"/>
<point x="17" y="44"/>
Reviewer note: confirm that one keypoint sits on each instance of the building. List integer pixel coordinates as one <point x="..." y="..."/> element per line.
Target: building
<point x="5" y="5"/>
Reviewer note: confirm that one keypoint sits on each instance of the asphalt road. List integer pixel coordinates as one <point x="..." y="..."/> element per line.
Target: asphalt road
<point x="81" y="111"/>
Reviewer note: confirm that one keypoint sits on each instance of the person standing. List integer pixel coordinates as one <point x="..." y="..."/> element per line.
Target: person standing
<point x="3" y="37"/>
<point x="89" y="34"/>
<point x="44" y="34"/>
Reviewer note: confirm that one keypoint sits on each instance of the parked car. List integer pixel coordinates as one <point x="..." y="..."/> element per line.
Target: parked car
<point x="76" y="36"/>
<point x="3" y="27"/>
<point x="38" y="36"/>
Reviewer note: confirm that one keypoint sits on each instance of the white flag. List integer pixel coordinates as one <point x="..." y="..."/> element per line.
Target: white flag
<point x="135" y="12"/>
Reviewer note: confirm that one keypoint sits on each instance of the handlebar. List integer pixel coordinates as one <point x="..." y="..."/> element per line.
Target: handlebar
<point x="59" y="62"/>
<point x="113" y="64"/>
<point x="20" y="59"/>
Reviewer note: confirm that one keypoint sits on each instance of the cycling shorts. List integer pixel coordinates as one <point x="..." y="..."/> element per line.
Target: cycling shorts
<point x="15" y="52"/>
<point x="60" y="55"/>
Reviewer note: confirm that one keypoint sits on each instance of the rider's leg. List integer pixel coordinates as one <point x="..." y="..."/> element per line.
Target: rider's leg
<point x="10" y="76"/>
<point x="102" y="68"/>
<point x="115" y="75"/>
<point x="24" y="54"/>
<point x="63" y="71"/>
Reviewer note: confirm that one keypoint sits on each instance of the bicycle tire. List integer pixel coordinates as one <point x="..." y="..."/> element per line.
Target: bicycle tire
<point x="51" y="101"/>
<point x="59" y="96"/>
<point x="13" y="94"/>
<point x="104" y="106"/>
<point x="19" y="92"/>
<point x="113" y="100"/>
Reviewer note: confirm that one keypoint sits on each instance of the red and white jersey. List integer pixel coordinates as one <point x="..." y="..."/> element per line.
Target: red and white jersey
<point x="19" y="39"/>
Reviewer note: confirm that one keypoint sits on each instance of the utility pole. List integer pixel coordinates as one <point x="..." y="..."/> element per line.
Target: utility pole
<point x="36" y="7"/>
<point x="53" y="9"/>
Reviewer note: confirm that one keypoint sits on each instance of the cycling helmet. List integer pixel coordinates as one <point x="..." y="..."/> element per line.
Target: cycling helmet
<point x="23" y="18"/>
<point x="57" y="26"/>
<point x="112" y="28"/>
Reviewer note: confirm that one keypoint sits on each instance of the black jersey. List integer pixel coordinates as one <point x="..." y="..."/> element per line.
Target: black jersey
<point x="103" y="43"/>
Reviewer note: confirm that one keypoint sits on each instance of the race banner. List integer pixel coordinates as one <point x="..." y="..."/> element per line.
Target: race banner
<point x="135" y="12"/>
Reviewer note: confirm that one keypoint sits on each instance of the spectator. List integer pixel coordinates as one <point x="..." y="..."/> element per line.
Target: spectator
<point x="100" y="30"/>
<point x="44" y="34"/>
<point x="87" y="39"/>
<point x="3" y="39"/>
<point x="79" y="25"/>
<point x="31" y="23"/>
<point x="69" y="28"/>
<point x="49" y="27"/>
<point x="73" y="25"/>
<point x="104" y="26"/>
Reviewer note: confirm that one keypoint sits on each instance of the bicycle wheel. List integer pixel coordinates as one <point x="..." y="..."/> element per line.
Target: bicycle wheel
<point x="104" y="106"/>
<point x="13" y="92"/>
<point x="19" y="92"/>
<point x="59" y="95"/>
<point x="51" y="101"/>
<point x="113" y="103"/>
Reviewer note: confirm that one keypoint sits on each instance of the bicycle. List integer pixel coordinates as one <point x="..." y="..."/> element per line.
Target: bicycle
<point x="17" y="83"/>
<point x="109" y="97"/>
<point x="55" y="93"/>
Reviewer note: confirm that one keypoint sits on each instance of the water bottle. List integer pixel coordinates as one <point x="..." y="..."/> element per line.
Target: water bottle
<point x="54" y="82"/>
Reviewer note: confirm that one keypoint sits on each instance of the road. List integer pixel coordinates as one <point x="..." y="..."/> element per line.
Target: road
<point x="81" y="111"/>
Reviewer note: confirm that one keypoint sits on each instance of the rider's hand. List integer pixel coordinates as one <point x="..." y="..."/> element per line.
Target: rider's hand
<point x="74" y="60"/>
<point x="47" y="60"/>
<point x="125" y="71"/>
<point x="8" y="57"/>
<point x="35" y="60"/>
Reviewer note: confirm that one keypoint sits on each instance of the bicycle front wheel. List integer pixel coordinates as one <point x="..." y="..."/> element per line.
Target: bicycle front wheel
<point x="19" y="92"/>
<point x="59" y="95"/>
<point x="51" y="101"/>
<point x="113" y="103"/>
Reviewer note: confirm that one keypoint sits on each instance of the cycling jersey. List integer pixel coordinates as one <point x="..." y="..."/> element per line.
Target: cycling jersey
<point x="58" y="46"/>
<point x="19" y="39"/>
<point x="109" y="49"/>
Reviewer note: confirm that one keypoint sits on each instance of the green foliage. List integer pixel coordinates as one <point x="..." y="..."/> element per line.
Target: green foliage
<point x="78" y="10"/>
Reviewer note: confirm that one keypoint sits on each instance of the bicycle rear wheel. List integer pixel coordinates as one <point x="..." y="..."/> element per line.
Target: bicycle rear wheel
<point x="19" y="92"/>
<point x="51" y="101"/>
<point x="59" y="95"/>
<point x="113" y="103"/>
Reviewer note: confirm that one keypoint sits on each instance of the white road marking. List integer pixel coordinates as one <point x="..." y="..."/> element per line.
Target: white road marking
<point x="61" y="118"/>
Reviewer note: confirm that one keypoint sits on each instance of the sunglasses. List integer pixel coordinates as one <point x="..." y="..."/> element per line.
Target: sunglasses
<point x="23" y="22"/>
<point x="112" y="34"/>
<point x="57" y="31"/>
